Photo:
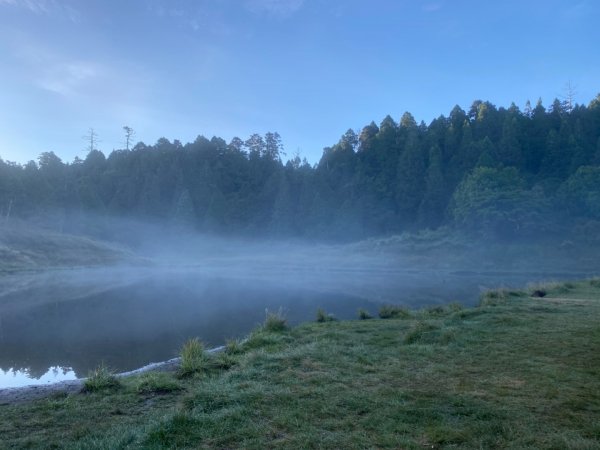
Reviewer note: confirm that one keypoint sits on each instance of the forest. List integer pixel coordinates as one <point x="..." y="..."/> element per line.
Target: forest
<point x="491" y="171"/>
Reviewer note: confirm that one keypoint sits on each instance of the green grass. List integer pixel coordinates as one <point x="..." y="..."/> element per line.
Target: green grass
<point x="192" y="357"/>
<point x="275" y="322"/>
<point x="156" y="383"/>
<point x="394" y="312"/>
<point x="363" y="314"/>
<point x="234" y="347"/>
<point x="26" y="247"/>
<point x="516" y="372"/>
<point x="323" y="316"/>
<point x="99" y="379"/>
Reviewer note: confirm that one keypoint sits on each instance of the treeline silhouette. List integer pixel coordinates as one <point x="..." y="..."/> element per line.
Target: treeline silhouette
<point x="492" y="171"/>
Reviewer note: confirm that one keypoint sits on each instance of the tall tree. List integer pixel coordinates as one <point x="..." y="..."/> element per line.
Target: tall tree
<point x="410" y="179"/>
<point x="431" y="209"/>
<point x="509" y="148"/>
<point x="92" y="140"/>
<point x="273" y="148"/>
<point x="129" y="134"/>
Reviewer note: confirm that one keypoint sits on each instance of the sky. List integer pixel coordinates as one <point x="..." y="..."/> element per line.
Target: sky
<point x="307" y="69"/>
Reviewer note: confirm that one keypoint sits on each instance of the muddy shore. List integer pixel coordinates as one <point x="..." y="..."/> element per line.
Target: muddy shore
<point x="9" y="396"/>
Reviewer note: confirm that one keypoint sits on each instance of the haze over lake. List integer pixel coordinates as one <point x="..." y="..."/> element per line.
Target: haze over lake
<point x="61" y="324"/>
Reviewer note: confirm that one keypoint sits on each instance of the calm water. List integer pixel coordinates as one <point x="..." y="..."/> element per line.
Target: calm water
<point x="59" y="325"/>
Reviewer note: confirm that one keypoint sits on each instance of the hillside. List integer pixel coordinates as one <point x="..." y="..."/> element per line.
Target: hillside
<point x="23" y="247"/>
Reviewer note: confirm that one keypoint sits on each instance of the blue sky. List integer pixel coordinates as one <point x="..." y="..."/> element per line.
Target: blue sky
<point x="309" y="69"/>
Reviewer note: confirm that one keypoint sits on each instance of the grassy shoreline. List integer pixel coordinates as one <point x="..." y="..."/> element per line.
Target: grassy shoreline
<point x="517" y="371"/>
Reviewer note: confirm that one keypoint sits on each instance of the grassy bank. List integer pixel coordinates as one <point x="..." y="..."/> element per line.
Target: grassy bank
<point x="24" y="247"/>
<point x="518" y="371"/>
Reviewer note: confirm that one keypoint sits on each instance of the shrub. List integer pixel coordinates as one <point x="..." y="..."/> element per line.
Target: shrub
<point x="393" y="312"/>
<point x="322" y="316"/>
<point x="100" y="379"/>
<point x="193" y="357"/>
<point x="275" y="322"/>
<point x="363" y="314"/>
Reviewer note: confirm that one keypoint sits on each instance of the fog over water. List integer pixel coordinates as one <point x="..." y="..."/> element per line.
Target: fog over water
<point x="60" y="324"/>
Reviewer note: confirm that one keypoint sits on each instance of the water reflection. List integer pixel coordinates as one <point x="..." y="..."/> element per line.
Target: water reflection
<point x="23" y="377"/>
<point x="127" y="318"/>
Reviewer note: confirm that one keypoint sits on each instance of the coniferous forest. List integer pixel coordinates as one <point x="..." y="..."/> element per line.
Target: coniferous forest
<point x="492" y="171"/>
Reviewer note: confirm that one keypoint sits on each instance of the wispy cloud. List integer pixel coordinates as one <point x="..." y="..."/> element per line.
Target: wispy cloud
<point x="197" y="16"/>
<point x="577" y="10"/>
<point x="69" y="78"/>
<point x="432" y="7"/>
<point x="45" y="7"/>
<point x="276" y="8"/>
<point x="75" y="77"/>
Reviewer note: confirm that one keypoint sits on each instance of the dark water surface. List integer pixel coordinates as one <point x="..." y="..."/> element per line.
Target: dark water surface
<point x="61" y="324"/>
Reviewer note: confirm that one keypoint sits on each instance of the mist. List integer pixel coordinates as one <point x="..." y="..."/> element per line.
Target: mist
<point x="165" y="284"/>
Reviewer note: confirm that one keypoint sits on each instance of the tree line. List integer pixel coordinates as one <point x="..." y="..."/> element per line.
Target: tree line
<point x="489" y="170"/>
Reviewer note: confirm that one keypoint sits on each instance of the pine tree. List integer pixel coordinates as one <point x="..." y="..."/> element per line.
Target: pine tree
<point x="410" y="180"/>
<point x="432" y="206"/>
<point x="509" y="148"/>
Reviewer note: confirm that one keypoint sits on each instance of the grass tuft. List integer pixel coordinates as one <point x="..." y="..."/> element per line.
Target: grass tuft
<point x="322" y="316"/>
<point x="193" y="357"/>
<point x="275" y="322"/>
<point x="234" y="347"/>
<point x="100" y="379"/>
<point x="363" y="314"/>
<point x="394" y="312"/>
<point x="494" y="297"/>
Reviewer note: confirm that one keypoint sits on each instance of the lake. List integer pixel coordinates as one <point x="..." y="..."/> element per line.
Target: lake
<point x="59" y="325"/>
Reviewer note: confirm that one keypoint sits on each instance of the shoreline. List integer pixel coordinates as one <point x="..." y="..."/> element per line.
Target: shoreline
<point x="518" y="370"/>
<point x="12" y="395"/>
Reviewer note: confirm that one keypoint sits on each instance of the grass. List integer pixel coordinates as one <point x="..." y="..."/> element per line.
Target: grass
<point x="323" y="316"/>
<point x="363" y="314"/>
<point x="157" y="383"/>
<point x="233" y="347"/>
<point x="193" y="357"/>
<point x="275" y="322"/>
<point x="394" y="312"/>
<point x="27" y="247"/>
<point x="515" y="372"/>
<point x="100" y="379"/>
